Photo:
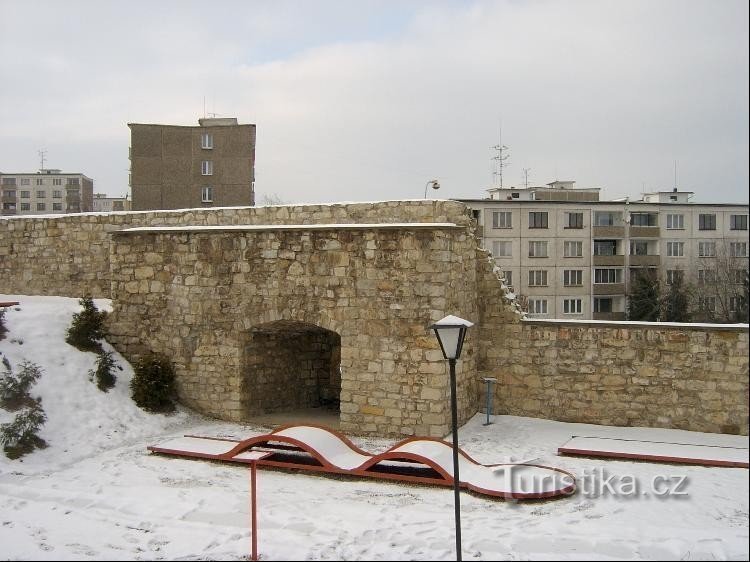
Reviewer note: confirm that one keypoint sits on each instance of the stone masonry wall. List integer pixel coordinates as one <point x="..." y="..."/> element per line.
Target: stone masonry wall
<point x="68" y="255"/>
<point x="691" y="377"/>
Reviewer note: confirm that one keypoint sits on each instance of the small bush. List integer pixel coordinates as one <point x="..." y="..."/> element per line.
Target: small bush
<point x="87" y="327"/>
<point x="105" y="378"/>
<point x="14" y="388"/>
<point x="20" y="436"/>
<point x="3" y="329"/>
<point x="153" y="386"/>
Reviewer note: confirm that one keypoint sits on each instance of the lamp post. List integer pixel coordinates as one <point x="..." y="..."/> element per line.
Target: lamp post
<point x="450" y="332"/>
<point x="433" y="183"/>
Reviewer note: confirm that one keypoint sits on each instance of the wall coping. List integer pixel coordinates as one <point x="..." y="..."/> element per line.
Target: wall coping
<point x="317" y="226"/>
<point x="634" y="324"/>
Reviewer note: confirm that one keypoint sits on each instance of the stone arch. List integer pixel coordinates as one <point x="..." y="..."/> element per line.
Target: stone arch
<point x="290" y="365"/>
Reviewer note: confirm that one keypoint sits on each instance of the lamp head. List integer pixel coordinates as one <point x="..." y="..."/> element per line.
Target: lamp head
<point x="450" y="332"/>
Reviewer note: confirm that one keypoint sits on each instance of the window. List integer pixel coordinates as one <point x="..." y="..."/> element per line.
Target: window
<point x="39" y="181"/>
<point x="25" y="194"/>
<point x="538" y="220"/>
<point x="602" y="305"/>
<point x="9" y="181"/>
<point x="572" y="306"/>
<point x="9" y="206"/>
<point x="73" y="181"/>
<point x="605" y="218"/>
<point x="537" y="278"/>
<point x="738" y="249"/>
<point x="638" y="248"/>
<point x="25" y="206"/>
<point x="27" y="181"/>
<point x="56" y="194"/>
<point x="41" y="194"/>
<point x="735" y="304"/>
<point x="572" y="249"/>
<point x="573" y="220"/>
<point x="57" y="206"/>
<point x="608" y="276"/>
<point x="673" y="275"/>
<point x="207" y="140"/>
<point x="707" y="304"/>
<point x="605" y="247"/>
<point x="572" y="277"/>
<point x="207" y="168"/>
<point x="644" y="219"/>
<point x="207" y="194"/>
<point x="502" y="219"/>
<point x="738" y="222"/>
<point x="502" y="248"/>
<point x="675" y="249"/>
<point x="675" y="222"/>
<point x="56" y="181"/>
<point x="538" y="249"/>
<point x="9" y="193"/>
<point x="537" y="306"/>
<point x="41" y="207"/>
<point x="706" y="222"/>
<point x="706" y="276"/>
<point x="707" y="249"/>
<point x="737" y="275"/>
<point x="508" y="278"/>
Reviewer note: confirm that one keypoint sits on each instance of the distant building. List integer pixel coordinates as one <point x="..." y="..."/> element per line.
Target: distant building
<point x="105" y="204"/>
<point x="567" y="254"/>
<point x="177" y="167"/>
<point x="46" y="192"/>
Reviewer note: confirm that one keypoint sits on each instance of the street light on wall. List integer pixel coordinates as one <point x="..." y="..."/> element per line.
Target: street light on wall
<point x="433" y="183"/>
<point x="450" y="333"/>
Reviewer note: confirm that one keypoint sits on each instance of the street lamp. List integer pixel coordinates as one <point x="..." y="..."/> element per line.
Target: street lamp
<point x="450" y="332"/>
<point x="433" y="183"/>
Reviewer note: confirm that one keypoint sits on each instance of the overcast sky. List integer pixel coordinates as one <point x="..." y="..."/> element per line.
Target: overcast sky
<point x="366" y="100"/>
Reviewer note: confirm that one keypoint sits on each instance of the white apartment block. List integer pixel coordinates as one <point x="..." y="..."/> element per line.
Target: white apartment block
<point x="568" y="255"/>
<point x="46" y="192"/>
<point x="106" y="204"/>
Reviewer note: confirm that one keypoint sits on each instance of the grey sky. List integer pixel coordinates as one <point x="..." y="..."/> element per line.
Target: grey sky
<point x="365" y="100"/>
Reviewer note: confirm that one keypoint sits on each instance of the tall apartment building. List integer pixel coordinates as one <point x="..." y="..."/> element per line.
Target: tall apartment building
<point x="567" y="254"/>
<point x="46" y="192"/>
<point x="177" y="167"/>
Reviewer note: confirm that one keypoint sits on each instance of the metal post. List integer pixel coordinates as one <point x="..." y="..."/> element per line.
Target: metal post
<point x="489" y="382"/>
<point x="253" y="511"/>
<point x="456" y="482"/>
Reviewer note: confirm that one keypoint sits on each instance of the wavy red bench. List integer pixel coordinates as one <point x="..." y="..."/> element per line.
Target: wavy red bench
<point x="418" y="459"/>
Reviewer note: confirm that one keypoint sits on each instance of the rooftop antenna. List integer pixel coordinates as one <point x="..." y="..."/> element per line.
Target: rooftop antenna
<point x="675" y="175"/>
<point x="499" y="160"/>
<point x="204" y="107"/>
<point x="526" y="177"/>
<point x="41" y="157"/>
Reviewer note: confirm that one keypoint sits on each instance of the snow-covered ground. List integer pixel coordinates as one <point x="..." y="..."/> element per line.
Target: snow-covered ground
<point x="96" y="492"/>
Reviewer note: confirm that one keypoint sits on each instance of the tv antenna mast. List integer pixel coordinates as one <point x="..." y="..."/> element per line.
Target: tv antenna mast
<point x="41" y="157"/>
<point x="526" y="177"/>
<point x="499" y="160"/>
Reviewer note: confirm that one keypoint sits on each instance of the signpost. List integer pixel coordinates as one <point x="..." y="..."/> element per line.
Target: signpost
<point x="489" y="381"/>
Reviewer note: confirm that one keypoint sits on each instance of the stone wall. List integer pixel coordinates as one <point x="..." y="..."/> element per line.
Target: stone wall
<point x="68" y="255"/>
<point x="691" y="377"/>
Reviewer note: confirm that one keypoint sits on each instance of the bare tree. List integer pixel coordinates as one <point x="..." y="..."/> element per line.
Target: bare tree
<point x="720" y="292"/>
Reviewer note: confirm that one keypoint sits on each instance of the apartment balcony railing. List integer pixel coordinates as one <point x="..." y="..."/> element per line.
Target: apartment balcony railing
<point x="608" y="288"/>
<point x="608" y="232"/>
<point x="609" y="260"/>
<point x="617" y="316"/>
<point x="645" y="232"/>
<point x="645" y="261"/>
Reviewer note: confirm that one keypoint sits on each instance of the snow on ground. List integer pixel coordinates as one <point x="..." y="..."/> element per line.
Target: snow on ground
<point x="96" y="493"/>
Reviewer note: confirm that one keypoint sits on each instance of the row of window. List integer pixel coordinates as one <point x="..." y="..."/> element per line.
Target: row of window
<point x="27" y="206"/>
<point x="574" y="249"/>
<point x="606" y="304"/>
<point x="11" y="182"/>
<point x="605" y="276"/>
<point x="56" y="194"/>
<point x="540" y="219"/>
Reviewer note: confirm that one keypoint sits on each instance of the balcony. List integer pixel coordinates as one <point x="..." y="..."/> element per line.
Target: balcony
<point x="615" y="260"/>
<point x="6" y="198"/>
<point x="608" y="232"/>
<point x="609" y="288"/>
<point x="644" y="232"/>
<point x="616" y="316"/>
<point x="645" y="261"/>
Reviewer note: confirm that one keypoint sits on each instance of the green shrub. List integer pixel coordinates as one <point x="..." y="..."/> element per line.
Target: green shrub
<point x="20" y="436"/>
<point x="14" y="388"/>
<point x="153" y="385"/>
<point x="105" y="378"/>
<point x="87" y="327"/>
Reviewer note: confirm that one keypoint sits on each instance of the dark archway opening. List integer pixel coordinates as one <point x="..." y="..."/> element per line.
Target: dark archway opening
<point x="292" y="373"/>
